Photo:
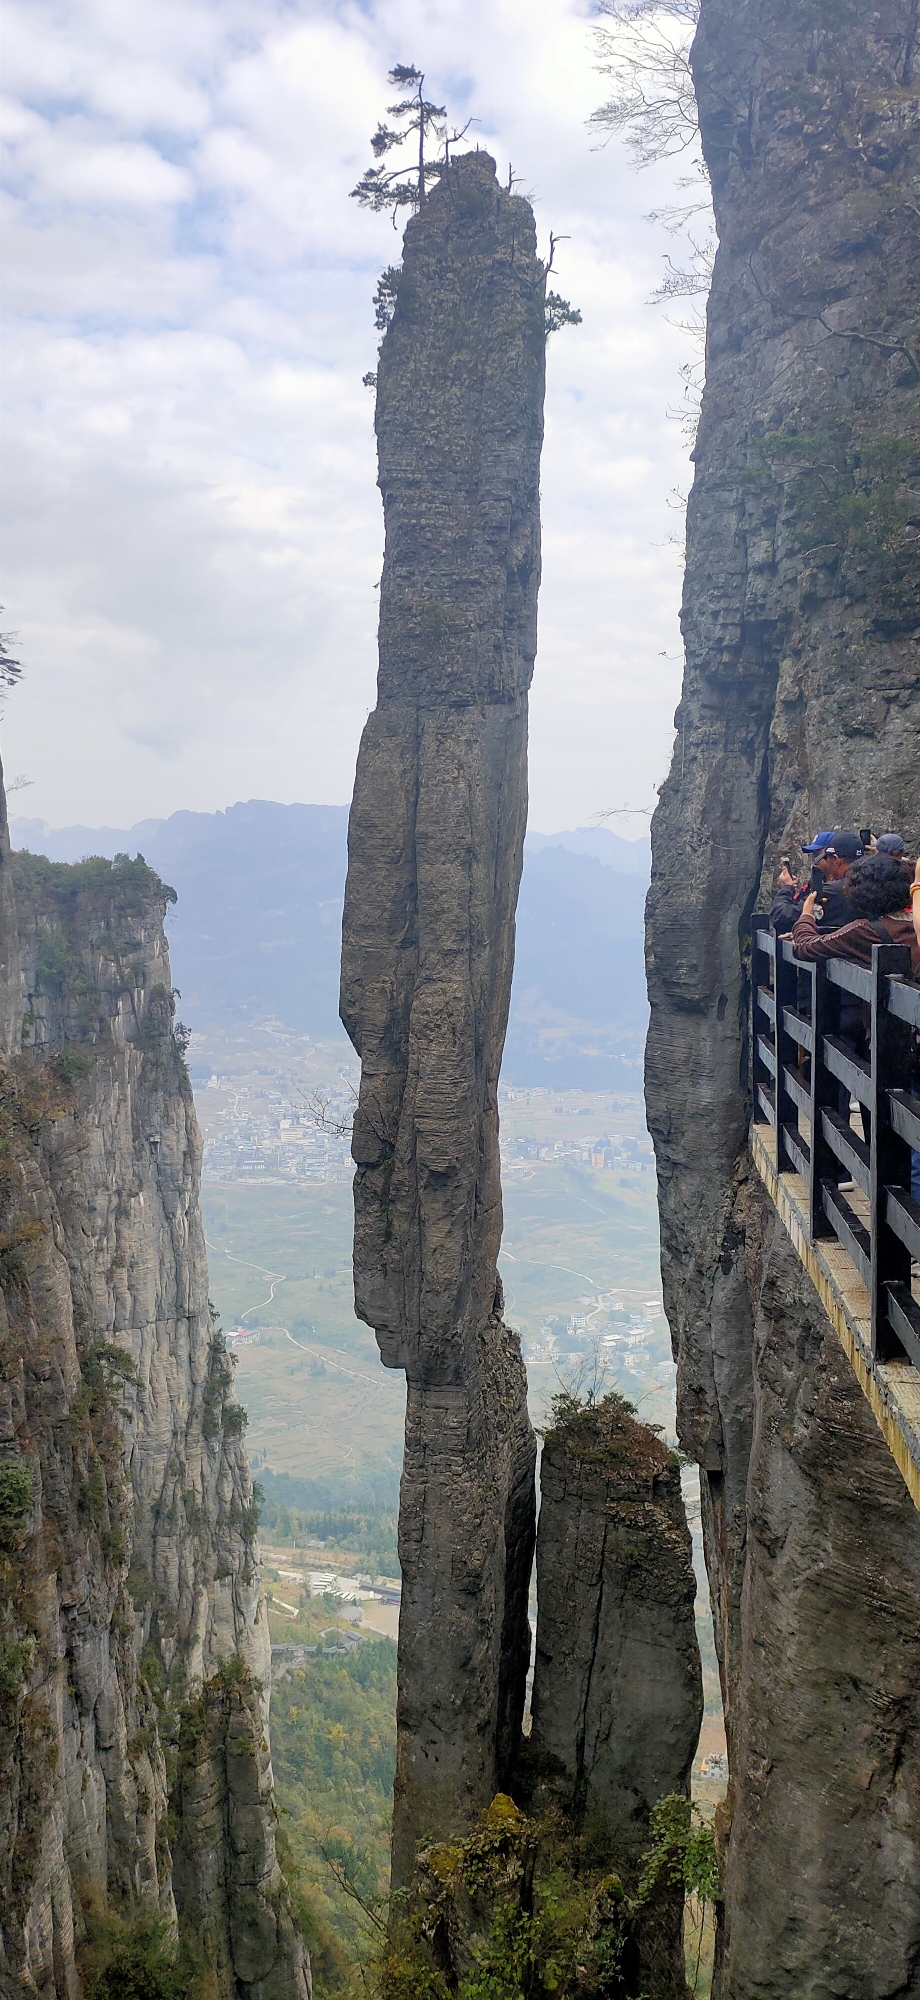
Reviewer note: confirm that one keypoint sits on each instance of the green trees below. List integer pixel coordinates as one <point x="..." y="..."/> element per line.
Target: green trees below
<point x="334" y="1759"/>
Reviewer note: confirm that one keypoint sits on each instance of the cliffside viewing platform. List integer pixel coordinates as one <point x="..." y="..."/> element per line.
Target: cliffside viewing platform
<point x="846" y="1199"/>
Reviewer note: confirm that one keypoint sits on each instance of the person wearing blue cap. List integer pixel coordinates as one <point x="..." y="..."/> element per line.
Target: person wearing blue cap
<point x="834" y="853"/>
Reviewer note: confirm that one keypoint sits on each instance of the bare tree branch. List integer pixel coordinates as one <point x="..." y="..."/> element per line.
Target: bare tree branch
<point x="318" y="1105"/>
<point x="10" y="669"/>
<point x="647" y="54"/>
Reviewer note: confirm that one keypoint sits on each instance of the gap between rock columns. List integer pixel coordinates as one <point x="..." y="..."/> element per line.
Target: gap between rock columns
<point x="435" y="854"/>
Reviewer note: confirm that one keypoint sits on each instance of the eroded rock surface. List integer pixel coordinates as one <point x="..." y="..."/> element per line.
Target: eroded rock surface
<point x="800" y="710"/>
<point x="130" y="1572"/>
<point x="435" y="851"/>
<point x="617" y="1692"/>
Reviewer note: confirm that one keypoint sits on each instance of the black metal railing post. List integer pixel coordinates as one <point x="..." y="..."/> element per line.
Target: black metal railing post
<point x="825" y="1097"/>
<point x="763" y="1021"/>
<point x="789" y="1072"/>
<point x="889" y="1155"/>
<point x="807" y="1059"/>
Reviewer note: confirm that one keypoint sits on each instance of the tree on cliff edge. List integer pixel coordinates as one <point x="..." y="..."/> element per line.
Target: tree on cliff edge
<point x="401" y="187"/>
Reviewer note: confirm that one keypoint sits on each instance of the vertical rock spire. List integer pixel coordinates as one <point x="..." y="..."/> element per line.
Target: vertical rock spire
<point x="618" y="1688"/>
<point x="435" y="853"/>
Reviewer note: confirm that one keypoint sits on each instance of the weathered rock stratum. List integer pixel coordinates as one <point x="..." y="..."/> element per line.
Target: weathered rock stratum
<point x="617" y="1692"/>
<point x="435" y="852"/>
<point x="800" y="710"/>
<point x="129" y="1585"/>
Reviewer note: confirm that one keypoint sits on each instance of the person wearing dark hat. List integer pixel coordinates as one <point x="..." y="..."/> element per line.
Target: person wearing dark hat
<point x="833" y="854"/>
<point x="875" y="900"/>
<point x="834" y="860"/>
<point x="875" y="893"/>
<point x="893" y="845"/>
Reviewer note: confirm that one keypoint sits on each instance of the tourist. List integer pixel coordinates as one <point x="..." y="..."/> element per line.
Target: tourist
<point x="874" y="914"/>
<point x="834" y="857"/>
<point x="834" y="854"/>
<point x="875" y="893"/>
<point x="788" y="901"/>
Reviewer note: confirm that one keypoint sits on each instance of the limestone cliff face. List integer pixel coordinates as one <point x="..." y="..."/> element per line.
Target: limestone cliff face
<point x="617" y="1691"/>
<point x="800" y="710"/>
<point x="10" y="1002"/>
<point x="130" y="1566"/>
<point x="435" y="853"/>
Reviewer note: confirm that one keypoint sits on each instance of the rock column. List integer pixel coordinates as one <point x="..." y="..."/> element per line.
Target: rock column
<point x="435" y="854"/>
<point x="617" y="1694"/>
<point x="800" y="710"/>
<point x="129" y="1569"/>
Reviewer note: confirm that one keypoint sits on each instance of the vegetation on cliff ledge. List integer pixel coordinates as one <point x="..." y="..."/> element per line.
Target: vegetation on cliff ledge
<point x="523" y="1908"/>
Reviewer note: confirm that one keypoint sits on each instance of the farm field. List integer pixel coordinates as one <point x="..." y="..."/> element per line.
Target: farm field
<point x="320" y="1405"/>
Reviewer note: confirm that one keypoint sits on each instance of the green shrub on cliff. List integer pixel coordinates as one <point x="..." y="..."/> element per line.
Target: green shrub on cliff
<point x="512" y="1912"/>
<point x="133" y="1959"/>
<point x="520" y="1910"/>
<point x="16" y="1488"/>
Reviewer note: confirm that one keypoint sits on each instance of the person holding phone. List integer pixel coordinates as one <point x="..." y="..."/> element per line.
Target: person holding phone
<point x="833" y="856"/>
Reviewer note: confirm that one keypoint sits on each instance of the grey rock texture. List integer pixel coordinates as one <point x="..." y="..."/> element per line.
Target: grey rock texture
<point x="9" y="961"/>
<point x="229" y="1890"/>
<point x="617" y="1692"/>
<point x="800" y="710"/>
<point x="435" y="852"/>
<point x="132" y="1573"/>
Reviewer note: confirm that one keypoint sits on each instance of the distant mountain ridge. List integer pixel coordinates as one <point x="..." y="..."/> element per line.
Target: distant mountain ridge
<point x="255" y="934"/>
<point x="626" y="857"/>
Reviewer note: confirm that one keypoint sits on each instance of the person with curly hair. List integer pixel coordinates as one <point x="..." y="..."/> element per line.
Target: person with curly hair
<point x="876" y="890"/>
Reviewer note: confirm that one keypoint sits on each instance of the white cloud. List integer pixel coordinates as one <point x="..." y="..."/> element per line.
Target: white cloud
<point x="193" y="529"/>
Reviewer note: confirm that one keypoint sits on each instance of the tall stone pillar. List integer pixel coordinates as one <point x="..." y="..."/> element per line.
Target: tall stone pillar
<point x="435" y="853"/>
<point x="618" y="1688"/>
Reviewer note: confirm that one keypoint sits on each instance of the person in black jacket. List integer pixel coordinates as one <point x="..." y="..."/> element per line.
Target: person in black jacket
<point x="788" y="899"/>
<point x="834" y="854"/>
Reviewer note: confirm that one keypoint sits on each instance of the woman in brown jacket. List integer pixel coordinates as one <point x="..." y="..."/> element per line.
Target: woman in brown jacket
<point x="876" y="890"/>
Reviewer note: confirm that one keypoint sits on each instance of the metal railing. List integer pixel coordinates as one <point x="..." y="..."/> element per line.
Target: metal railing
<point x="807" y="1064"/>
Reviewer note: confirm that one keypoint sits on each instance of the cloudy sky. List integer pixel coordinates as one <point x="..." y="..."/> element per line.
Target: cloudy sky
<point x="193" y="532"/>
